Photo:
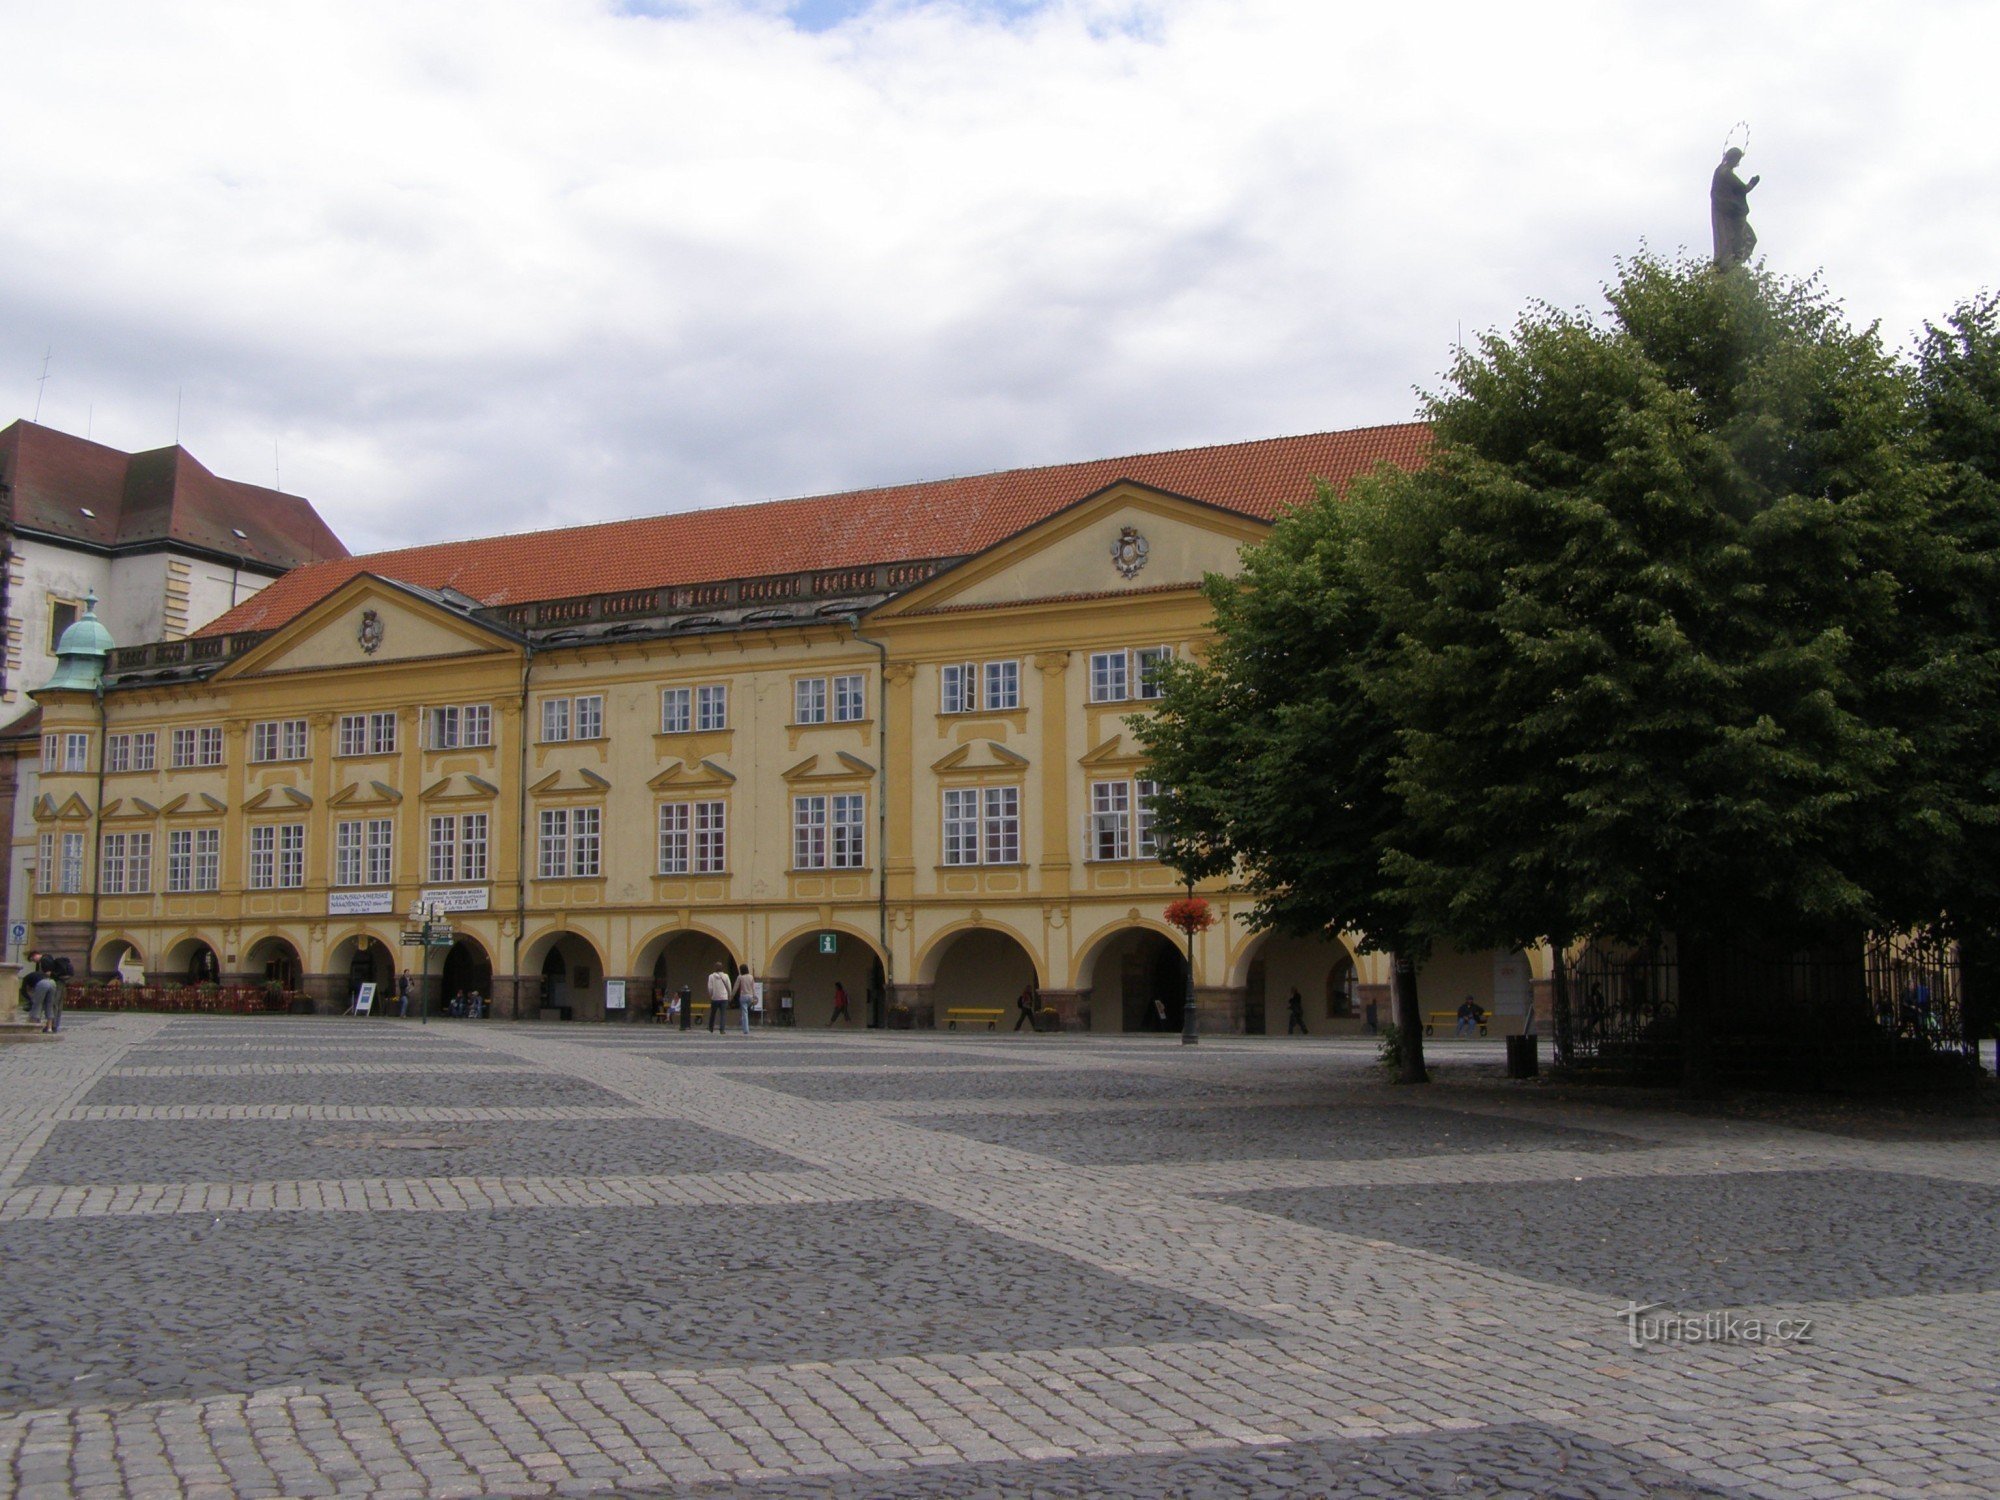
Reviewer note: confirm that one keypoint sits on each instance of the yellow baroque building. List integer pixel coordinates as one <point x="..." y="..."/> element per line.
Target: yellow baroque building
<point x="877" y="739"/>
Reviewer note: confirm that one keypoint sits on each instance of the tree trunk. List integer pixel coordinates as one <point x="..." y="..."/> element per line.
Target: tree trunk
<point x="1698" y="961"/>
<point x="1409" y="1019"/>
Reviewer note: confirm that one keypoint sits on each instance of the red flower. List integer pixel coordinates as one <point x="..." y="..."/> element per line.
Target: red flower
<point x="1190" y="914"/>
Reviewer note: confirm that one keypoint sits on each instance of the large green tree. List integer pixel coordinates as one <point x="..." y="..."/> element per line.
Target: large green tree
<point x="1682" y="629"/>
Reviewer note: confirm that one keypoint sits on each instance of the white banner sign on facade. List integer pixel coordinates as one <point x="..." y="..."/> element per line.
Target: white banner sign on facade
<point x="614" y="994"/>
<point x="455" y="898"/>
<point x="359" y="903"/>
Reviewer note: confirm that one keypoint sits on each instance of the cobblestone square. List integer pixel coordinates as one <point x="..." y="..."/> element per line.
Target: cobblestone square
<point x="284" y="1256"/>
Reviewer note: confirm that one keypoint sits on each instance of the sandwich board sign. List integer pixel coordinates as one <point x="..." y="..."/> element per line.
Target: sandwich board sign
<point x="364" y="999"/>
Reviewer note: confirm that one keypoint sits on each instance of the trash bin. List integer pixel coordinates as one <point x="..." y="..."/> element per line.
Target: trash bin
<point x="1524" y="1056"/>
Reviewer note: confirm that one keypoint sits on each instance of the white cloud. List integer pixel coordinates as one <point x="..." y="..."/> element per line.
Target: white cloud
<point x="484" y="266"/>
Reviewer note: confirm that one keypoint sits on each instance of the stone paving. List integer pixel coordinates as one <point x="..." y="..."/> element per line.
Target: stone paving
<point x="287" y="1256"/>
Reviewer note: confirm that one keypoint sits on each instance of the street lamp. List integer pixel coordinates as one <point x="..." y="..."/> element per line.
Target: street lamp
<point x="431" y="931"/>
<point x="1191" y="914"/>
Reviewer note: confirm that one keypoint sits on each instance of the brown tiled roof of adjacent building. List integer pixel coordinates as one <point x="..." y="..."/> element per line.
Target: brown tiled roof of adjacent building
<point x="941" y="518"/>
<point x="70" y="488"/>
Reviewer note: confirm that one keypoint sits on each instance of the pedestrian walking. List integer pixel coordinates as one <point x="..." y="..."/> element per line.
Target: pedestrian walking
<point x="1295" y="1013"/>
<point x="840" y="1011"/>
<point x="1372" y="1018"/>
<point x="718" y="996"/>
<point x="746" y="994"/>
<point x="1028" y="1004"/>
<point x="31" y="996"/>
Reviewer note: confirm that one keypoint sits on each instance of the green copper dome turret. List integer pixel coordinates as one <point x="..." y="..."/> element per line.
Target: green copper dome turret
<point x="81" y="653"/>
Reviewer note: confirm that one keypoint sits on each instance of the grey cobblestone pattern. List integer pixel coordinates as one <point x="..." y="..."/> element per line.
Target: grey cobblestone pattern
<point x="1291" y="1346"/>
<point x="441" y="1087"/>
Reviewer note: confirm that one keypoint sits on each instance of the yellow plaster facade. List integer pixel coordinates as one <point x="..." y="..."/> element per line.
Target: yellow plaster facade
<point x="933" y="799"/>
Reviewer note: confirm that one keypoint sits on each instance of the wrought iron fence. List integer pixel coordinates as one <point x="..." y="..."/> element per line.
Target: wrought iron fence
<point x="1879" y="1005"/>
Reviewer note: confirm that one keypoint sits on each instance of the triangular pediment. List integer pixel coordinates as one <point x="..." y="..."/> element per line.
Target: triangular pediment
<point x="681" y="775"/>
<point x="200" y="805"/>
<point x="979" y="755"/>
<point x="1112" y="754"/>
<point x="367" y="622"/>
<point x="278" y="799"/>
<point x="72" y="809"/>
<point x="130" y="807"/>
<point x="572" y="781"/>
<point x="461" y="786"/>
<point x="839" y="766"/>
<point x="366" y="793"/>
<point x="1126" y="538"/>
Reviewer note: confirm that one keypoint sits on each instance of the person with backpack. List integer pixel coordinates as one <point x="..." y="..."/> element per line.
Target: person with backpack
<point x="53" y="975"/>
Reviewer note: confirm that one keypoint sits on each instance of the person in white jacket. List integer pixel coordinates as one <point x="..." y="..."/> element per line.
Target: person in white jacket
<point x="746" y="994"/>
<point x="718" y="997"/>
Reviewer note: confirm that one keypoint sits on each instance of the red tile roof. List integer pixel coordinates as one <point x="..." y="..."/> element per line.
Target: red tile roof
<point x="941" y="518"/>
<point x="161" y="496"/>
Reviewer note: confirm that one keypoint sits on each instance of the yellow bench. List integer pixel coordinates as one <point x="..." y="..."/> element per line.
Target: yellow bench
<point x="974" y="1014"/>
<point x="1433" y="1019"/>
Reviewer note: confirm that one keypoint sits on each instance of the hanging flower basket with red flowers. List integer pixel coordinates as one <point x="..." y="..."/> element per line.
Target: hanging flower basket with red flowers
<point x="1190" y="914"/>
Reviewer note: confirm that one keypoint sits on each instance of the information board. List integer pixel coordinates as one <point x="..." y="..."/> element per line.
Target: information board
<point x="614" y="994"/>
<point x="364" y="999"/>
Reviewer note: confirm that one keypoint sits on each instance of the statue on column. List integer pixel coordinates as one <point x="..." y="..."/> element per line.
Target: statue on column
<point x="1729" y="211"/>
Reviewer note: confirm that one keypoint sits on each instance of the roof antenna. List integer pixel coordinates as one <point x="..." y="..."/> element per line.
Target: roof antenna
<point x="277" y="474"/>
<point x="177" y="416"/>
<point x="42" y="384"/>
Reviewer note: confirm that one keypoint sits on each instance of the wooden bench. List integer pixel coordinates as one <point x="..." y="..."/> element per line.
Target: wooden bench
<point x="973" y="1014"/>
<point x="1435" y="1019"/>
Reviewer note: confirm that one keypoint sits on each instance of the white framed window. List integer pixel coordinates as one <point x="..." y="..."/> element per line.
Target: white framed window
<point x="958" y="688"/>
<point x="711" y="838"/>
<point x="66" y="752"/>
<point x="364" y="852"/>
<point x="571" y="844"/>
<point x="711" y="706"/>
<point x="850" y="698"/>
<point x="693" y="838"/>
<point x="367" y="734"/>
<point x="458" y="847"/>
<point x="1121" y="820"/>
<point x="1110" y="820"/>
<point x="982" y="825"/>
<point x="555" y="720"/>
<point x="200" y="746"/>
<point x="381" y="851"/>
<point x="1003" y="685"/>
<point x="1110" y="676"/>
<point x="1116" y="676"/>
<point x="830" y="832"/>
<point x="277" y="856"/>
<point x="131" y="752"/>
<point x="127" y="864"/>
<point x="676" y="710"/>
<point x="460" y="726"/>
<point x="809" y="700"/>
<point x="60" y="868"/>
<point x="347" y="838"/>
<point x="194" y="859"/>
<point x="278" y="739"/>
<point x="589" y="717"/>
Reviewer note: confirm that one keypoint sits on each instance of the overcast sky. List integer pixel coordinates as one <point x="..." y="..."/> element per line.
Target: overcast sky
<point x="467" y="266"/>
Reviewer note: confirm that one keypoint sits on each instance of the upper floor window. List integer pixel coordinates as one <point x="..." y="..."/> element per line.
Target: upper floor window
<point x="1116" y="676"/>
<point x="194" y="859"/>
<point x="580" y="718"/>
<point x="460" y="726"/>
<point x="711" y="706"/>
<point x="364" y="852"/>
<point x="458" y="846"/>
<point x="63" y="613"/>
<point x="693" y="838"/>
<point x="676" y="710"/>
<point x="131" y="752"/>
<point x="828" y="832"/>
<point x="809" y="700"/>
<point x="60" y="868"/>
<point x="571" y="845"/>
<point x="278" y="739"/>
<point x="982" y="825"/>
<point x="197" y="747"/>
<point x="1121" y="820"/>
<point x="277" y="856"/>
<point x="65" y="752"/>
<point x="126" y="860"/>
<point x="367" y="734"/>
<point x="968" y="687"/>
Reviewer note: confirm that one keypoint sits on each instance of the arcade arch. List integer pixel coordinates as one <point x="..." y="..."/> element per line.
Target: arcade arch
<point x="682" y="956"/>
<point x="570" y="975"/>
<point x="272" y="957"/>
<point x="1136" y="979"/>
<point x="976" y="966"/>
<point x="810" y="975"/>
<point x="1320" y="967"/>
<point x="191" y="960"/>
<point x="467" y="970"/>
<point x="363" y="958"/>
<point x="118" y="956"/>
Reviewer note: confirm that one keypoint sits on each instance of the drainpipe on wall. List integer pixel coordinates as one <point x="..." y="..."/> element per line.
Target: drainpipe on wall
<point x="97" y="828"/>
<point x="521" y="825"/>
<point x="881" y="812"/>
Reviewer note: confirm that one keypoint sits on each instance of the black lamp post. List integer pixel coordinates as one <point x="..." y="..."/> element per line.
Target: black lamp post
<point x="1189" y="1035"/>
